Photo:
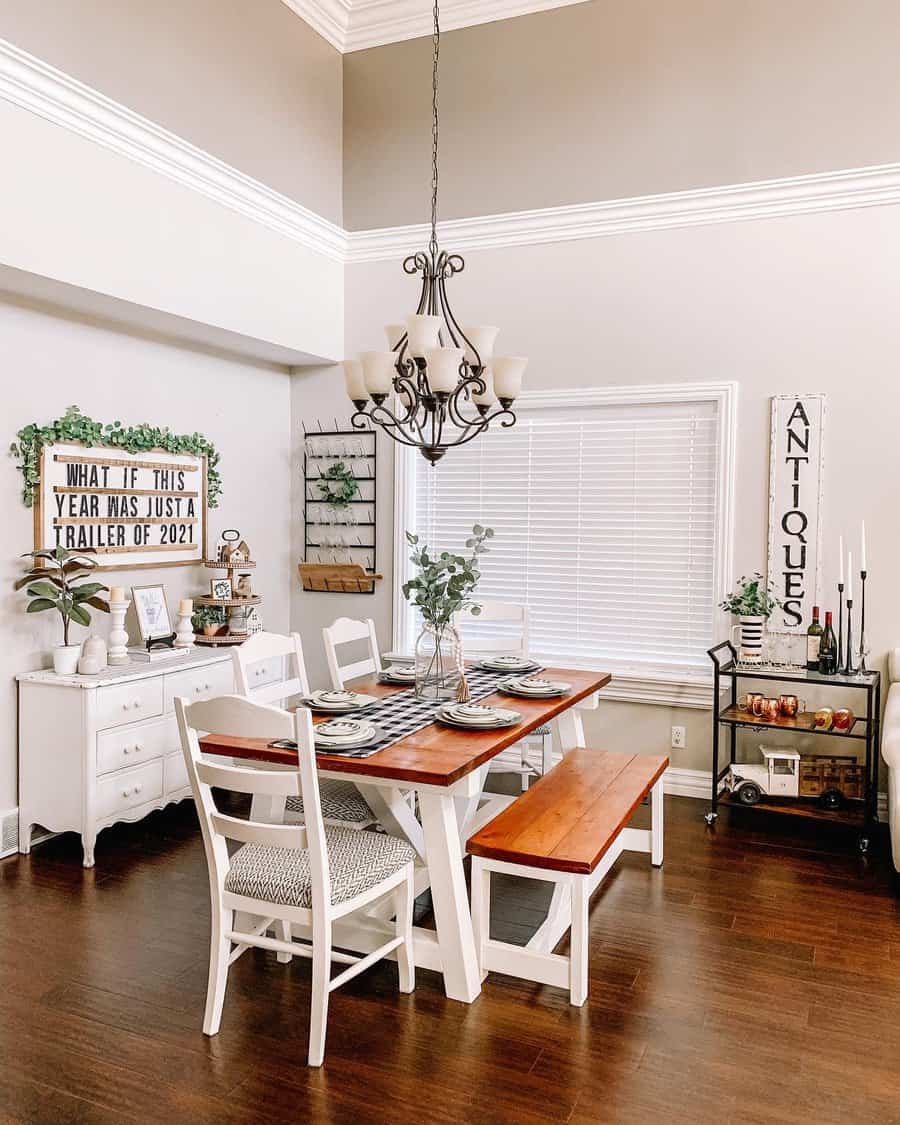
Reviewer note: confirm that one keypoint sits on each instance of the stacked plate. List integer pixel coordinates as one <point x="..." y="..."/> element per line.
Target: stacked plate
<point x="338" y="735"/>
<point x="338" y="702"/>
<point x="475" y="716"/>
<point x="398" y="674"/>
<point x="509" y="664"/>
<point x="532" y="687"/>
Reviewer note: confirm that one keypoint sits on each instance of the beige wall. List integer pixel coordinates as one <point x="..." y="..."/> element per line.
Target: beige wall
<point x="780" y="306"/>
<point x="248" y="82"/>
<point x="51" y="360"/>
<point x="604" y="100"/>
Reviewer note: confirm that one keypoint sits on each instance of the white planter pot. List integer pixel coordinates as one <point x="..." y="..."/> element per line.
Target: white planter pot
<point x="65" y="659"/>
<point x="751" y="633"/>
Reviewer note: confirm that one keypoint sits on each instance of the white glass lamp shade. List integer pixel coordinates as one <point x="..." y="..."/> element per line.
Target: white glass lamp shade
<point x="488" y="398"/>
<point x="378" y="371"/>
<point x="354" y="381"/>
<point x="481" y="337"/>
<point x="394" y="333"/>
<point x="443" y="368"/>
<point x="508" y="372"/>
<point x="423" y="332"/>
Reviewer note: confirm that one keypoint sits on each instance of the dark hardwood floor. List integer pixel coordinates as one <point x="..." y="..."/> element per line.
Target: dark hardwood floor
<point x="754" y="979"/>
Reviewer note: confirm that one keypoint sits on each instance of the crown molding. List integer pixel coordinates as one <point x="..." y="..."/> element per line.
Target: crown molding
<point x="765" y="199"/>
<point x="32" y="84"/>
<point x="355" y="25"/>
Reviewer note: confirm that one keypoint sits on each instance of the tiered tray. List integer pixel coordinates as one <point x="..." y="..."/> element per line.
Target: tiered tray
<point x="226" y="603"/>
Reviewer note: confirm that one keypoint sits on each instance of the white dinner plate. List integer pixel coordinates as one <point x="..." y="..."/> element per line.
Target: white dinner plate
<point x="498" y="718"/>
<point x="399" y="673"/>
<point x="327" y="702"/>
<point x="520" y="687"/>
<point x="508" y="664"/>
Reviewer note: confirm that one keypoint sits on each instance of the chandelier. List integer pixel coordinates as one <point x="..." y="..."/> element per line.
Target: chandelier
<point x="448" y="384"/>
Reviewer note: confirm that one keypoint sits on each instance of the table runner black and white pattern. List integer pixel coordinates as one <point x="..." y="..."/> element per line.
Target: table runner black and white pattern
<point x="403" y="713"/>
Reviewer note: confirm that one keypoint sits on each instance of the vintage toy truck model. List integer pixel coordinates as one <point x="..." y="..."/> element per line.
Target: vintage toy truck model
<point x="783" y="773"/>
<point x="776" y="776"/>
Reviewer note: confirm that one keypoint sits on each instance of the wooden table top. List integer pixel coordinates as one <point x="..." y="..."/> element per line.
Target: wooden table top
<point x="436" y="755"/>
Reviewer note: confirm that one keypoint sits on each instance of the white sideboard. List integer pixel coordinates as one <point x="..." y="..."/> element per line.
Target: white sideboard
<point x="94" y="750"/>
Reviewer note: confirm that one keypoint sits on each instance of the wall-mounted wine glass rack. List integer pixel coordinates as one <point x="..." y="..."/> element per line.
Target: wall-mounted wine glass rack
<point x="345" y="534"/>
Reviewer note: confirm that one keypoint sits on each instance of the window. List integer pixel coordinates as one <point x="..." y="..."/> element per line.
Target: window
<point x="611" y="510"/>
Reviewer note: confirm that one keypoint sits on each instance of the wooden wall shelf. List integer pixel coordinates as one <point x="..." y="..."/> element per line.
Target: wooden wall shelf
<point x="337" y="578"/>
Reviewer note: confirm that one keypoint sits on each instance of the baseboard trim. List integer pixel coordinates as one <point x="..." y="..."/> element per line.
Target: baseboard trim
<point x="698" y="785"/>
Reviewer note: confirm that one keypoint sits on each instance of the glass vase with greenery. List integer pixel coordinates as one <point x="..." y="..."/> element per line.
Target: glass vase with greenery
<point x="443" y="585"/>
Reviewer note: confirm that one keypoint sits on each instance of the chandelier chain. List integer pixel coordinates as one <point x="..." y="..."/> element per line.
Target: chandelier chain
<point x="436" y="40"/>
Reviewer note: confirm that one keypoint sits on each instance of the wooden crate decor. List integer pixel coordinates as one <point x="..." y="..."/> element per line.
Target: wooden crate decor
<point x="129" y="509"/>
<point x="819" y="773"/>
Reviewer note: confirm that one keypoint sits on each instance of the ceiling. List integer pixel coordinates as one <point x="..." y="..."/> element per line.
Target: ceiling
<point x="354" y="25"/>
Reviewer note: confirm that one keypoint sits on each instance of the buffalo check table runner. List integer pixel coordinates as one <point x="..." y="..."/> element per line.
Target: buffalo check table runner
<point x="403" y="713"/>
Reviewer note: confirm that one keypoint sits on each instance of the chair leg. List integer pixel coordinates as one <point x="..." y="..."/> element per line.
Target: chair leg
<point x="578" y="944"/>
<point x="481" y="909"/>
<point x="321" y="973"/>
<point x="524" y="775"/>
<point x="283" y="929"/>
<point x="404" y="901"/>
<point x="219" y="952"/>
<point x="546" y="753"/>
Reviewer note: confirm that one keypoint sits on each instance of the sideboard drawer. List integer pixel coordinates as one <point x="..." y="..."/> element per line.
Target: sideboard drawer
<point x="264" y="672"/>
<point x="126" y="703"/>
<point x="126" y="789"/>
<point x="199" y="683"/>
<point x="135" y="744"/>
<point x="176" y="775"/>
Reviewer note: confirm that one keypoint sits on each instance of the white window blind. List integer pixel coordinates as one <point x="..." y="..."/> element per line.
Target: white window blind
<point x="605" y="518"/>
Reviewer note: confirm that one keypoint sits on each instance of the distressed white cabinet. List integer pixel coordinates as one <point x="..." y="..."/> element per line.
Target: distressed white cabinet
<point x="94" y="750"/>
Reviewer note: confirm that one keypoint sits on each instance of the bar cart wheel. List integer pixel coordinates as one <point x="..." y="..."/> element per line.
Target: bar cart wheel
<point x="863" y="844"/>
<point x="711" y="817"/>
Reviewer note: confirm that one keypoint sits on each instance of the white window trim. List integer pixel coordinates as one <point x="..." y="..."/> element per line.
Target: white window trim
<point x="629" y="684"/>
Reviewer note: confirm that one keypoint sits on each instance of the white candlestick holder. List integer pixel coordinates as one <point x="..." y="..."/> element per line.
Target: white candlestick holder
<point x="184" y="634"/>
<point x="118" y="637"/>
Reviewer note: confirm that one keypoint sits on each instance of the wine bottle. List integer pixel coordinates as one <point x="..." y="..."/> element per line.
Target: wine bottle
<point x="828" y="648"/>
<point x="813" y="637"/>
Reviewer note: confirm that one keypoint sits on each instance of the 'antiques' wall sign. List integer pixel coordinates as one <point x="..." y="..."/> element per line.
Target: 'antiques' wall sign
<point x="795" y="507"/>
<point x="132" y="509"/>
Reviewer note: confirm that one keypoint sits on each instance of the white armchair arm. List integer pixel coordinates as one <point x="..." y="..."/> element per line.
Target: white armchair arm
<point x="890" y="751"/>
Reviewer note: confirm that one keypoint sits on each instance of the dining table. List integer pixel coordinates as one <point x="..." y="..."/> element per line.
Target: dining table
<point x="445" y="769"/>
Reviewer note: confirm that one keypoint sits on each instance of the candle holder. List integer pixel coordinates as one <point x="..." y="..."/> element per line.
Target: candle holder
<point x="849" y="667"/>
<point x="184" y="635"/>
<point x="118" y="637"/>
<point x="863" y="645"/>
<point x="840" y="656"/>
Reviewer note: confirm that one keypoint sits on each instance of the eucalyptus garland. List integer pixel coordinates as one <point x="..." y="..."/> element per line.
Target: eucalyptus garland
<point x="348" y="488"/>
<point x="75" y="426"/>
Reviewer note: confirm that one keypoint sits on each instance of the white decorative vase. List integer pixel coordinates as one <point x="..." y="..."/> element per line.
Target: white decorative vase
<point x="65" y="659"/>
<point x="751" y="633"/>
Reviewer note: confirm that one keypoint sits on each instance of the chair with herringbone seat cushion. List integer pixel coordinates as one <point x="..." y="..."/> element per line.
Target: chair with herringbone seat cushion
<point x="288" y="875"/>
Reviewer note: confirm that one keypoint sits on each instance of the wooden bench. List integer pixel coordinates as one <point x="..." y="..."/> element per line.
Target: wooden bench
<point x="569" y="828"/>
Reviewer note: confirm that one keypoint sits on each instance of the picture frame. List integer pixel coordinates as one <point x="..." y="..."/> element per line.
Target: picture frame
<point x="152" y="612"/>
<point x="221" y="589"/>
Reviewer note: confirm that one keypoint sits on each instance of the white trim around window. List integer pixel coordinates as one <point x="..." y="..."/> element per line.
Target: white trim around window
<point x="631" y="683"/>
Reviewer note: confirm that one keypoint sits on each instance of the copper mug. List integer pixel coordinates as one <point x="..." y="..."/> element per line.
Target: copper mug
<point x="790" y="706"/>
<point x="769" y="709"/>
<point x="753" y="702"/>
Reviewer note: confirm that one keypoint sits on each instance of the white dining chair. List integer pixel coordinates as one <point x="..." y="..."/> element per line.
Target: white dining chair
<point x="296" y="877"/>
<point x="343" y="806"/>
<point x="510" y="638"/>
<point x="345" y="631"/>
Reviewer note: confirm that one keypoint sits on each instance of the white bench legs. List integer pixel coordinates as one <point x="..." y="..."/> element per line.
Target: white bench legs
<point x="569" y="910"/>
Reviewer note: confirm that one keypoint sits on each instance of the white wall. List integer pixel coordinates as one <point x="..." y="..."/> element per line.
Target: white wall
<point x="51" y="360"/>
<point x="781" y="306"/>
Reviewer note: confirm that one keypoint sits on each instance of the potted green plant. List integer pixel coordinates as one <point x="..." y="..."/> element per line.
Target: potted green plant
<point x="56" y="581"/>
<point x="753" y="602"/>
<point x="208" y="620"/>
<point x="443" y="585"/>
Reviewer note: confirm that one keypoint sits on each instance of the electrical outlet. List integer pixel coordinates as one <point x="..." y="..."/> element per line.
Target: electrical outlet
<point x="679" y="738"/>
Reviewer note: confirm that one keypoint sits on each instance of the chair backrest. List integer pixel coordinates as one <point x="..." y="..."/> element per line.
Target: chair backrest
<point x="342" y="632"/>
<point x="244" y="718"/>
<point x="511" y="639"/>
<point x="270" y="646"/>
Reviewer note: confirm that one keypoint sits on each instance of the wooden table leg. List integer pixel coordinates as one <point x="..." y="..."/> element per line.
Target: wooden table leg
<point x="462" y="979"/>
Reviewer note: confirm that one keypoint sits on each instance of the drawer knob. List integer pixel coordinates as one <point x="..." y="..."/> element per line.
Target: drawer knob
<point x="136" y="703"/>
<point x="125" y="792"/>
<point x="137" y="788"/>
<point x="124" y="749"/>
<point x="137" y="748"/>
